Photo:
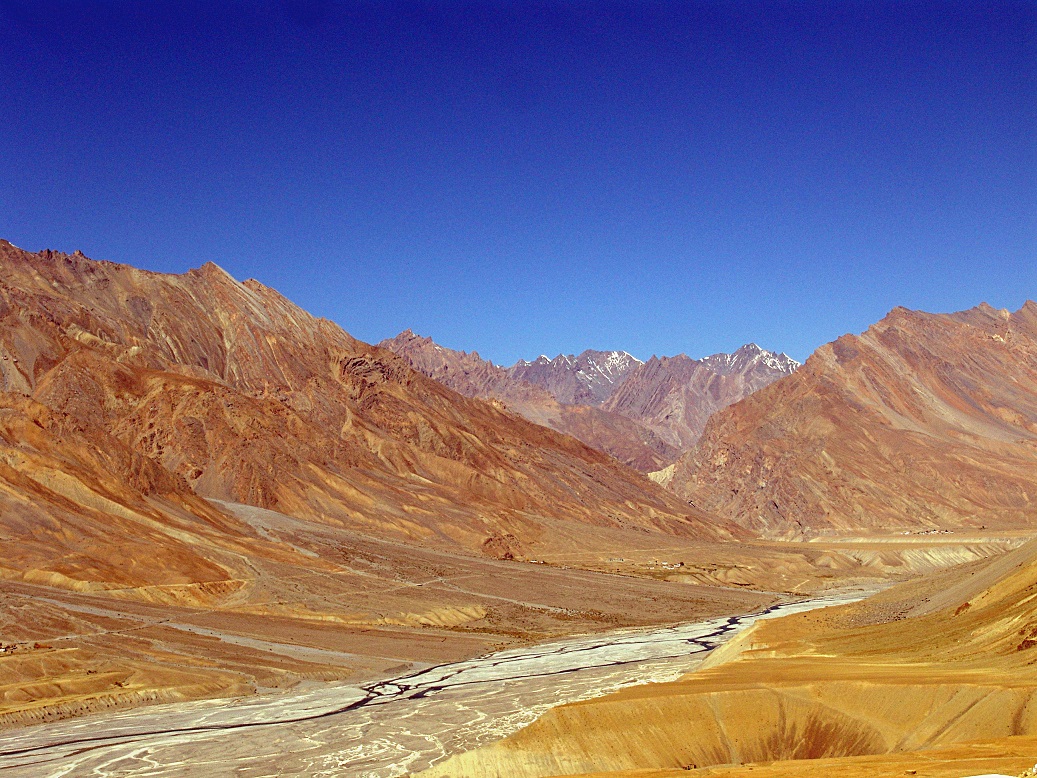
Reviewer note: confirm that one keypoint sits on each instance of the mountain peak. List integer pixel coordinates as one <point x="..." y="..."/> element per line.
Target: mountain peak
<point x="213" y="272"/>
<point x="585" y="379"/>
<point x="675" y="396"/>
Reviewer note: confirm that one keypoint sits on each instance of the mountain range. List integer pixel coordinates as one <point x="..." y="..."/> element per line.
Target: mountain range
<point x="644" y="414"/>
<point x="587" y="379"/>
<point x="471" y="375"/>
<point x="201" y="484"/>
<point x="137" y="394"/>
<point x="675" y="396"/>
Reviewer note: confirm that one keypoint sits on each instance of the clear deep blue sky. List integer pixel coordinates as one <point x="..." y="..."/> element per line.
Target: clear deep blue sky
<point x="519" y="178"/>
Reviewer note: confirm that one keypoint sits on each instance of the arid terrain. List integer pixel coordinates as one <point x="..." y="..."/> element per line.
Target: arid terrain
<point x="919" y="429"/>
<point x="935" y="677"/>
<point x="376" y="729"/>
<point x="197" y="478"/>
<point x="205" y="492"/>
<point x="923" y="421"/>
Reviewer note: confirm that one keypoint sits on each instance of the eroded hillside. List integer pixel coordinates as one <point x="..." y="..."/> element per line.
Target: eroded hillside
<point x="924" y="421"/>
<point x="928" y="678"/>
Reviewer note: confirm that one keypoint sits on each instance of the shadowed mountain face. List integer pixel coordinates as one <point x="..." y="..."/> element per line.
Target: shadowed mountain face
<point x="587" y="379"/>
<point x="129" y="395"/>
<point x="471" y="375"/>
<point x="925" y="420"/>
<point x="675" y="396"/>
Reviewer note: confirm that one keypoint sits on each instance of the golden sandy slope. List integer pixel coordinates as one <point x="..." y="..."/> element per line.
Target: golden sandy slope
<point x="937" y="676"/>
<point x="925" y="420"/>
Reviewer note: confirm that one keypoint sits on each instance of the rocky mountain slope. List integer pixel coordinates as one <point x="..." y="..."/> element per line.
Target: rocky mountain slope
<point x="924" y="421"/>
<point x="675" y="396"/>
<point x="181" y="387"/>
<point x="473" y="376"/>
<point x="587" y="379"/>
<point x="204" y="489"/>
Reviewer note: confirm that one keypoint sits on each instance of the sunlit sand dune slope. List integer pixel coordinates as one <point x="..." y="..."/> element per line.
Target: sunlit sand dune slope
<point x="940" y="671"/>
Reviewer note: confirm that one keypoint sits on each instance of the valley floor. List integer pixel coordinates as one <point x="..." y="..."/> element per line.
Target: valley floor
<point x="376" y="730"/>
<point x="934" y="677"/>
<point x="377" y="609"/>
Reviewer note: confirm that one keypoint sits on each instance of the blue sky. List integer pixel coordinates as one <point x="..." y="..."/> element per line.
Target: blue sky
<point x="523" y="178"/>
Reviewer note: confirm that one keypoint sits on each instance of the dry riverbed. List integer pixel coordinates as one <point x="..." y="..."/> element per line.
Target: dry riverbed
<point x="382" y="729"/>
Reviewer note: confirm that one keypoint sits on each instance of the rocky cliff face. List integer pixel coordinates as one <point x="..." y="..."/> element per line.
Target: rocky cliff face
<point x="675" y="396"/>
<point x="469" y="374"/>
<point x="925" y="420"/>
<point x="124" y="389"/>
<point x="587" y="379"/>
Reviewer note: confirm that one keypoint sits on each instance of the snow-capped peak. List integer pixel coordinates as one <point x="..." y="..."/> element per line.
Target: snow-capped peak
<point x="746" y="357"/>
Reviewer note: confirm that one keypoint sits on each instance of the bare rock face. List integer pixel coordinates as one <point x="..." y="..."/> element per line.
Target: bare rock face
<point x="126" y="396"/>
<point x="675" y="396"/>
<point x="587" y="379"/>
<point x="924" y="421"/>
<point x="469" y="374"/>
<point x="466" y="372"/>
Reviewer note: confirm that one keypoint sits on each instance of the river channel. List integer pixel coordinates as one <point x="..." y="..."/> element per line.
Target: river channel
<point x="380" y="730"/>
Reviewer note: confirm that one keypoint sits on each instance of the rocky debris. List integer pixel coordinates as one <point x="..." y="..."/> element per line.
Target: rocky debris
<point x="503" y="546"/>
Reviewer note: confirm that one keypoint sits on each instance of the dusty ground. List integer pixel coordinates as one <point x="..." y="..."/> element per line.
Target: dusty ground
<point x="367" y="608"/>
<point x="1007" y="756"/>
<point x="377" y="729"/>
<point x="933" y="665"/>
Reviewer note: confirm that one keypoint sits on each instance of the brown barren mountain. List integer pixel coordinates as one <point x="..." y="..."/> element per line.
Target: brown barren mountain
<point x="675" y="396"/>
<point x="227" y="390"/>
<point x="189" y="465"/>
<point x="924" y="421"/>
<point x="471" y="375"/>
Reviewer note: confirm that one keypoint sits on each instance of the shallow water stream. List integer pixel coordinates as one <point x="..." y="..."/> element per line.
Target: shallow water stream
<point x="378" y="730"/>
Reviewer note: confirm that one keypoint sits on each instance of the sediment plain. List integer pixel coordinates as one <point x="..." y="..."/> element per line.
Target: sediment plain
<point x="931" y="677"/>
<point x="380" y="729"/>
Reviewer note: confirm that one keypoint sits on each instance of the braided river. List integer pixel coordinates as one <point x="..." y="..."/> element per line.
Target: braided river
<point x="381" y="729"/>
